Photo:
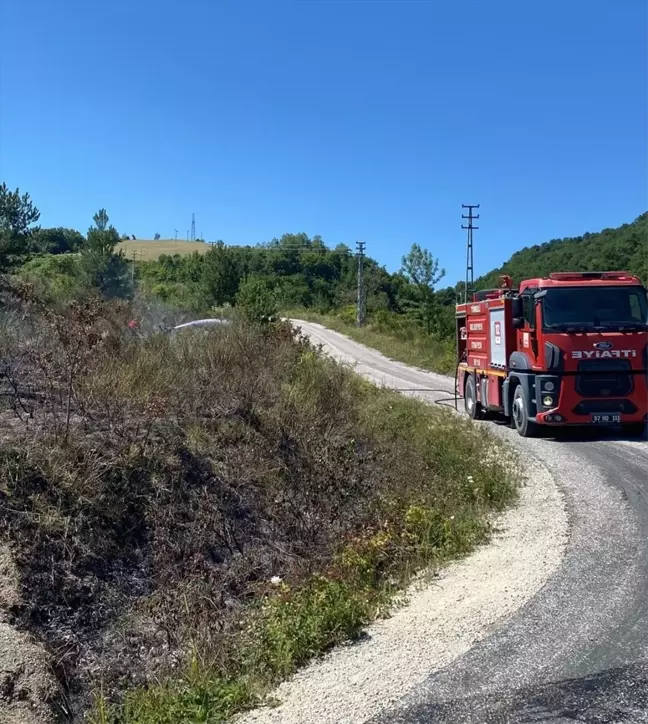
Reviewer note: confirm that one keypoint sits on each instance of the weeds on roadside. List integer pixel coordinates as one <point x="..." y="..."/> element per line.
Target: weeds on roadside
<point x="195" y="516"/>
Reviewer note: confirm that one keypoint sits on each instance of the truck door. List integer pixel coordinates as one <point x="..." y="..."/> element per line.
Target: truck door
<point x="528" y="335"/>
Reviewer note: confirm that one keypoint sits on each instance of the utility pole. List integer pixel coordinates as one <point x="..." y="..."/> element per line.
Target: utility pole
<point x="193" y="227"/>
<point x="470" y="280"/>
<point x="176" y="234"/>
<point x="360" y="311"/>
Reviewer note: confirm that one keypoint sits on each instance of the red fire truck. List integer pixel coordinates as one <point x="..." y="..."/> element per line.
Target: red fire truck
<point x="568" y="349"/>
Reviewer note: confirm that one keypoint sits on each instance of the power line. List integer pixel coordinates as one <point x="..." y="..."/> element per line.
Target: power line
<point x="470" y="280"/>
<point x="360" y="311"/>
<point x="305" y="249"/>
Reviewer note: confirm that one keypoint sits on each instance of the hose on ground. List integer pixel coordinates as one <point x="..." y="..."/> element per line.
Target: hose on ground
<point x="444" y="402"/>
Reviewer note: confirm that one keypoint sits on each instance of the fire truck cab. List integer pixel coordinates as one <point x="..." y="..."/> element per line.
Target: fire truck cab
<point x="567" y="349"/>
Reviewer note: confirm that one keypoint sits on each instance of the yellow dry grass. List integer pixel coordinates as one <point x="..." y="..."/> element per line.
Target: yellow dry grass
<point x="146" y="250"/>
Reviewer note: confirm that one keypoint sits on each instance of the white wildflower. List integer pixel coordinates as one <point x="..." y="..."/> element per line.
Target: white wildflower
<point x="275" y="580"/>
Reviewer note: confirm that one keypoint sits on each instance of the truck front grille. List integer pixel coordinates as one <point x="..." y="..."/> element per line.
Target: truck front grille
<point x="604" y="378"/>
<point x="586" y="407"/>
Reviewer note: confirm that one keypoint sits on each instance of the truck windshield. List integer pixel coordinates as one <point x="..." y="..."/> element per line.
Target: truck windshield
<point x="595" y="308"/>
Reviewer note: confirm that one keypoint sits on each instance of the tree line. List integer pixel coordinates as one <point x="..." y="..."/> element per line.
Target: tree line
<point x="298" y="271"/>
<point x="291" y="272"/>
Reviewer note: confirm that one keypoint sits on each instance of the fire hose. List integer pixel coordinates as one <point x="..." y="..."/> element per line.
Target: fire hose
<point x="445" y="400"/>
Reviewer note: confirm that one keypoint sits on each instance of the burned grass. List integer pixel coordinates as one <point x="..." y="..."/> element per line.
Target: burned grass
<point x="195" y="516"/>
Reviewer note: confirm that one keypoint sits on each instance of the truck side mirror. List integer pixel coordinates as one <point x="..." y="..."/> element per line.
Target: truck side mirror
<point x="517" y="307"/>
<point x="518" y="322"/>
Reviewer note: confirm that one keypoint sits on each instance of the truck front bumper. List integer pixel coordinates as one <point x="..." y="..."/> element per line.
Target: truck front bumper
<point x="563" y="404"/>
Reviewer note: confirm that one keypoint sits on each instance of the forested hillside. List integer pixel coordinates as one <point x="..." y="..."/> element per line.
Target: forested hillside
<point x="624" y="248"/>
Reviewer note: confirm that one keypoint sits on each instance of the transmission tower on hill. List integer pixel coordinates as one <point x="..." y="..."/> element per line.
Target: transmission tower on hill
<point x="193" y="227"/>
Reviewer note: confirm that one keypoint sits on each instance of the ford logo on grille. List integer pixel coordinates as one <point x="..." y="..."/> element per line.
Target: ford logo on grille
<point x="603" y="345"/>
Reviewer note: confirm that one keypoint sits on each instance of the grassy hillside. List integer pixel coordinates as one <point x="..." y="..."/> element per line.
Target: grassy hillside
<point x="147" y="250"/>
<point x="624" y="248"/>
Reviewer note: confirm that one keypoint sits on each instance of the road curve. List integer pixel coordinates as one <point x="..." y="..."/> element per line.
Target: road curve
<point x="578" y="650"/>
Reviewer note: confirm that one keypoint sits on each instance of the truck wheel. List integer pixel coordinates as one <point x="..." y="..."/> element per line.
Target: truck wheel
<point x="635" y="429"/>
<point x="520" y="414"/>
<point x="472" y="406"/>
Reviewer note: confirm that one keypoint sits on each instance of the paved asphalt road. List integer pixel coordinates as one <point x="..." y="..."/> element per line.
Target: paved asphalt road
<point x="578" y="651"/>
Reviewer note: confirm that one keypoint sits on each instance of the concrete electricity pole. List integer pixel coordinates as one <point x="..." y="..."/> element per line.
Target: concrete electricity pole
<point x="360" y="311"/>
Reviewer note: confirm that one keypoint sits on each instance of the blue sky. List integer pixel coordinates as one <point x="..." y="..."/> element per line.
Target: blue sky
<point x="352" y="119"/>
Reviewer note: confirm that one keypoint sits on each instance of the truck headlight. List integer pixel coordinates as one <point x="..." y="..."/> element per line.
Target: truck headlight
<point x="548" y="386"/>
<point x="548" y="401"/>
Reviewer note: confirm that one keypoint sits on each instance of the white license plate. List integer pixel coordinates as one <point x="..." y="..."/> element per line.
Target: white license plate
<point x="605" y="418"/>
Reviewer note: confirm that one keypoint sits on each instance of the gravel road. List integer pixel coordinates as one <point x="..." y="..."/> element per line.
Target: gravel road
<point x="538" y="626"/>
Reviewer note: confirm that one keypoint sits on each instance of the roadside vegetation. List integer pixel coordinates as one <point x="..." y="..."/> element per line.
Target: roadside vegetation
<point x="395" y="336"/>
<point x="195" y="516"/>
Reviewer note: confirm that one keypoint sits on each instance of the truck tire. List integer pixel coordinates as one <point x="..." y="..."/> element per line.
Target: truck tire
<point x="471" y="405"/>
<point x="635" y="429"/>
<point x="520" y="414"/>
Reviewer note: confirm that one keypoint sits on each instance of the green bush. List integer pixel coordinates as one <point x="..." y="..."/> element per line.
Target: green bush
<point x="198" y="699"/>
<point x="295" y="626"/>
<point x="54" y="277"/>
<point x="347" y="314"/>
<point x="255" y="301"/>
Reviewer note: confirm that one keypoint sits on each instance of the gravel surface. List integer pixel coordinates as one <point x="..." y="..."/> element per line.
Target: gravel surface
<point x="578" y="651"/>
<point x="444" y="618"/>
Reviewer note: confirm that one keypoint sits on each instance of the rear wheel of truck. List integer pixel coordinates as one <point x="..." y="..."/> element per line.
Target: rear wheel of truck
<point x="471" y="405"/>
<point x="520" y="414"/>
<point x="636" y="429"/>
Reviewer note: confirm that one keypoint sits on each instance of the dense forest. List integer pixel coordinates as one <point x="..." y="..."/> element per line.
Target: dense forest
<point x="299" y="271"/>
<point x="624" y="248"/>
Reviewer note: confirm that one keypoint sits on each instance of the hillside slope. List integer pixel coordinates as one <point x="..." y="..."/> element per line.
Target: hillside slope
<point x="147" y="250"/>
<point x="624" y="248"/>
